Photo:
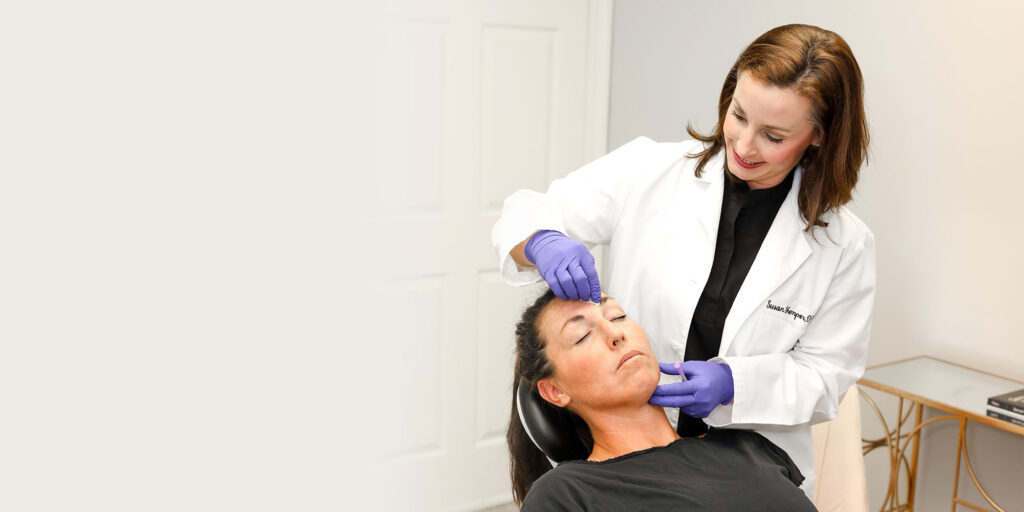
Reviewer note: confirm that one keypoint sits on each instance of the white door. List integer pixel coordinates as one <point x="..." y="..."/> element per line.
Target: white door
<point x="478" y="99"/>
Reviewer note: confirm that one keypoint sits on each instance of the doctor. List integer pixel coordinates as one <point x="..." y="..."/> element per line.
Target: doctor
<point x="734" y="250"/>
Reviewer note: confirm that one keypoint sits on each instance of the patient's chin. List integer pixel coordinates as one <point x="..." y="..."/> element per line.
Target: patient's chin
<point x="644" y="382"/>
<point x="649" y="386"/>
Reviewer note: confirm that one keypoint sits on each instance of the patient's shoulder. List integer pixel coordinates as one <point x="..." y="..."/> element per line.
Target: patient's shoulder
<point x="556" y="490"/>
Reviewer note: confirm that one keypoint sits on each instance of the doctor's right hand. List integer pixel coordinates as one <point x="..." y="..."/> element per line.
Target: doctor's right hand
<point x="566" y="265"/>
<point x="706" y="384"/>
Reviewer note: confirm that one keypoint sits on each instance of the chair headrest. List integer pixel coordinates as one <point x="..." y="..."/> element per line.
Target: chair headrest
<point x="550" y="428"/>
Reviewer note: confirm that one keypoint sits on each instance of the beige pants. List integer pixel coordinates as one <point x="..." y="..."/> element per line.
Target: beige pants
<point x="839" y="460"/>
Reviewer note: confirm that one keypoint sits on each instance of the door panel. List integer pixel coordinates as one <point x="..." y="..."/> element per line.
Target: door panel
<point x="478" y="99"/>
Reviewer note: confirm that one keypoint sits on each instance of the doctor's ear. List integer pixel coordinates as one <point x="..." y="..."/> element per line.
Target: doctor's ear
<point x="552" y="393"/>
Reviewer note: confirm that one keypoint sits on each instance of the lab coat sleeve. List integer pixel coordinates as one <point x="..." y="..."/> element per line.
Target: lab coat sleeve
<point x="585" y="205"/>
<point x="807" y="383"/>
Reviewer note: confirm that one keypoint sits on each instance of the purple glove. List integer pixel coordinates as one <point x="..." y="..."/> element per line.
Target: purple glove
<point x="707" y="384"/>
<point x="565" y="264"/>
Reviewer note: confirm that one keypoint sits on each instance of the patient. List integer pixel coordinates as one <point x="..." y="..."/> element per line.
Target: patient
<point x="595" y="361"/>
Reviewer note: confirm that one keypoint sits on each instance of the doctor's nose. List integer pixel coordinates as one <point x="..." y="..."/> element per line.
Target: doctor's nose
<point x="744" y="143"/>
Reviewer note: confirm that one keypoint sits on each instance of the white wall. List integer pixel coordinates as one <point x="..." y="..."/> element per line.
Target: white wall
<point x="941" y="192"/>
<point x="181" y="323"/>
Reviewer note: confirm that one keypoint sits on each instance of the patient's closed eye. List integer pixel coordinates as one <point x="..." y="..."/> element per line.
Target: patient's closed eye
<point x="620" y="317"/>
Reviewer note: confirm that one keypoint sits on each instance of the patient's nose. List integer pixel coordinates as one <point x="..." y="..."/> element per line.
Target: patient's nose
<point x="615" y="335"/>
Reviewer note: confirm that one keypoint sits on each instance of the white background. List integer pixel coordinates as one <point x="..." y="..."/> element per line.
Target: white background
<point x="245" y="258"/>
<point x="181" y="318"/>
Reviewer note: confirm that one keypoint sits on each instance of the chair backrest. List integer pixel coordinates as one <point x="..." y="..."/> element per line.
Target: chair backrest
<point x="550" y="428"/>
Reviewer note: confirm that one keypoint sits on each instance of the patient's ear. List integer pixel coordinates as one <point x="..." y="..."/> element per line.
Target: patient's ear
<point x="551" y="392"/>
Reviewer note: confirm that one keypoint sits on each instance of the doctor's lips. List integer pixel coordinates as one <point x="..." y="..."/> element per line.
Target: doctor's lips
<point x="743" y="163"/>
<point x="629" y="355"/>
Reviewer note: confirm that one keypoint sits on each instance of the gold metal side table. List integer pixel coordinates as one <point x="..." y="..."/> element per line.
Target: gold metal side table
<point x="957" y="390"/>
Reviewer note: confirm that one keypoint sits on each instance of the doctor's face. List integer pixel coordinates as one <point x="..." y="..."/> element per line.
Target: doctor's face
<point x="766" y="129"/>
<point x="601" y="357"/>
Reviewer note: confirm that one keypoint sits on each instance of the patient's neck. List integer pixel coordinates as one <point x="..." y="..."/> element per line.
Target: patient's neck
<point x="621" y="431"/>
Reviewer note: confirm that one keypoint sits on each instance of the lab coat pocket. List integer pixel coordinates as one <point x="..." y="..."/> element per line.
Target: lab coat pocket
<point x="773" y="334"/>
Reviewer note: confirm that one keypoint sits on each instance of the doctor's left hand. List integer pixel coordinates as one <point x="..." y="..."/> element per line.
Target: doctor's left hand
<point x="707" y="384"/>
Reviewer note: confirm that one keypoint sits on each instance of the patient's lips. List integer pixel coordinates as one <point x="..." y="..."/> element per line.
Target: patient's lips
<point x="629" y="355"/>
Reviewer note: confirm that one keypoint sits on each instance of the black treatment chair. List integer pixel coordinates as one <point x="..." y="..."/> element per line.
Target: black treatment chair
<point x="551" y="428"/>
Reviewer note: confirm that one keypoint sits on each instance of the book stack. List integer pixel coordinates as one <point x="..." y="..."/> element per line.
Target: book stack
<point x="1008" y="407"/>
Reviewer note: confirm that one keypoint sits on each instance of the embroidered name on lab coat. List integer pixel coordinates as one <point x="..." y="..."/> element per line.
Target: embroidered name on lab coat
<point x="786" y="310"/>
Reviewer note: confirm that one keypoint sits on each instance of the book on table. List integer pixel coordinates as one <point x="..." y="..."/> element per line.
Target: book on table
<point x="1003" y="414"/>
<point x="1012" y="402"/>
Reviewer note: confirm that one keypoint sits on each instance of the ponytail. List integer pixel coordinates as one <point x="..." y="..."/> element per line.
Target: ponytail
<point x="528" y="463"/>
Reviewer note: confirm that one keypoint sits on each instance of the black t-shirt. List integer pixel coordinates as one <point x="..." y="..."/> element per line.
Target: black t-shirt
<point x="727" y="470"/>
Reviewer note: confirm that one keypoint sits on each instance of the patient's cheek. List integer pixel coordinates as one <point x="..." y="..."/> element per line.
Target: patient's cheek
<point x="581" y="369"/>
<point x="588" y="370"/>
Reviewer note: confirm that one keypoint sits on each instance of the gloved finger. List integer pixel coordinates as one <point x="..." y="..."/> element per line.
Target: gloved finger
<point x="676" y="388"/>
<point x="694" y="368"/>
<point x="697" y="410"/>
<point x="555" y="286"/>
<point x="587" y="263"/>
<point x="669" y="368"/>
<point x="672" y="401"/>
<point x="579" y="280"/>
<point x="564" y="279"/>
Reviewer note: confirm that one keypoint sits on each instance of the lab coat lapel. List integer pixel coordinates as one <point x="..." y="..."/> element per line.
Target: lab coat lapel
<point x="709" y="204"/>
<point x="784" y="249"/>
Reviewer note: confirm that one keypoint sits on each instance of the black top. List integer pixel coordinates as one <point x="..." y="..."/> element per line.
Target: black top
<point x="746" y="217"/>
<point x="727" y="470"/>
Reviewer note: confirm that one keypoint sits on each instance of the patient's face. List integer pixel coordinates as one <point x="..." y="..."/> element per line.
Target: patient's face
<point x="601" y="356"/>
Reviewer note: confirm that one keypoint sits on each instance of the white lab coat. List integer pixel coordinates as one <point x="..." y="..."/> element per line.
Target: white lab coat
<point x="797" y="335"/>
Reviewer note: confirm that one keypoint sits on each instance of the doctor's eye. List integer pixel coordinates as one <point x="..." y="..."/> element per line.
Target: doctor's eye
<point x="737" y="116"/>
<point x="773" y="140"/>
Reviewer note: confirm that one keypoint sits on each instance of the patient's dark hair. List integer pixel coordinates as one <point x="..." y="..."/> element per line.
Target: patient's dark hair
<point x="528" y="463"/>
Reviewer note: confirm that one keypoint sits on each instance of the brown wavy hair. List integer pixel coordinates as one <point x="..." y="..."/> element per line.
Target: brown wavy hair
<point x="818" y="65"/>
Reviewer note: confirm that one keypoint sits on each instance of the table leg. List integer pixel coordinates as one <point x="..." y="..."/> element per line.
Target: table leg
<point x="974" y="478"/>
<point x="894" y="441"/>
<point x="956" y="474"/>
<point x="912" y="475"/>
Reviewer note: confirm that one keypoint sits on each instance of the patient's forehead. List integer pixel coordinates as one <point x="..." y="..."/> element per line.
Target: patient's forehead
<point x="558" y="311"/>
